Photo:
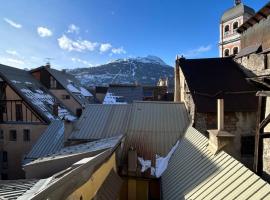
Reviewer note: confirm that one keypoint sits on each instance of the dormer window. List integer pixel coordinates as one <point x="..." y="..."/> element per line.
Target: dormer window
<point x="52" y="82"/>
<point x="227" y="29"/>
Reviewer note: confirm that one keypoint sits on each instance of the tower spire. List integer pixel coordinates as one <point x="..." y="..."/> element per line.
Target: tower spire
<point x="237" y="2"/>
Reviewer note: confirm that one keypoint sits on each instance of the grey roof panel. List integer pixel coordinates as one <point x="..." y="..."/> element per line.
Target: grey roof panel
<point x="195" y="173"/>
<point x="49" y="142"/>
<point x="101" y="121"/>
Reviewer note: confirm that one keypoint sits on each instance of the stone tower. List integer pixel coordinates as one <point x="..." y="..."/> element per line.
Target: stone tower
<point x="233" y="18"/>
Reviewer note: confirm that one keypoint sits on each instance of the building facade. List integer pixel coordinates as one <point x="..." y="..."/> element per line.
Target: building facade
<point x="231" y="20"/>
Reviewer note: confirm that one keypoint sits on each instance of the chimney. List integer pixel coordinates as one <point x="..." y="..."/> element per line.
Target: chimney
<point x="55" y="109"/>
<point x="48" y="65"/>
<point x="177" y="97"/>
<point x="237" y="2"/>
<point x="219" y="138"/>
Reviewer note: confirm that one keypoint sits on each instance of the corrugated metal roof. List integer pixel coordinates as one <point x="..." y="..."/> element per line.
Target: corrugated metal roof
<point x="95" y="146"/>
<point x="12" y="189"/>
<point x="101" y="121"/>
<point x="195" y="173"/>
<point x="49" y="142"/>
<point x="110" y="188"/>
<point x="155" y="127"/>
<point x="37" y="96"/>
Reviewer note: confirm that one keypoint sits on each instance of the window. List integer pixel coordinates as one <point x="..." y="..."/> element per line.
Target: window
<point x="235" y="25"/>
<point x="26" y="135"/>
<point x="79" y="112"/>
<point x="266" y="61"/>
<point x="19" y="114"/>
<point x="1" y="134"/>
<point x="12" y="135"/>
<point x="52" y="82"/>
<point x="235" y="50"/>
<point x="5" y="156"/>
<point x="226" y="52"/>
<point x="65" y="97"/>
<point x="227" y="29"/>
<point x="247" y="145"/>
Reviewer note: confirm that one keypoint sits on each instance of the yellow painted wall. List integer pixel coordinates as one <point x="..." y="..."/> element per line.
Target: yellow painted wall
<point x="91" y="187"/>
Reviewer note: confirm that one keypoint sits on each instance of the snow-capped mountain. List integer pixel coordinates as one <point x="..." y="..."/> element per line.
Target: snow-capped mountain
<point x="141" y="70"/>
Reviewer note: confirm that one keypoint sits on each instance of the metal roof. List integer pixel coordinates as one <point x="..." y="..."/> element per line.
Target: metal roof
<point x="110" y="188"/>
<point x="49" y="142"/>
<point x="154" y="128"/>
<point x="12" y="189"/>
<point x="237" y="11"/>
<point x="95" y="146"/>
<point x="263" y="13"/>
<point x="195" y="173"/>
<point x="150" y="127"/>
<point x="249" y="50"/>
<point x="37" y="96"/>
<point x="123" y="94"/>
<point x="212" y="78"/>
<point x="101" y="121"/>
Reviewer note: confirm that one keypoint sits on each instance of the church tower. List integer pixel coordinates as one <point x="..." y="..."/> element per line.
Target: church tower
<point x="230" y="43"/>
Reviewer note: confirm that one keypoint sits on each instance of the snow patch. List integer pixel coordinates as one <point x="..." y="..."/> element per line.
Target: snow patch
<point x="111" y="99"/>
<point x="85" y="92"/>
<point x="146" y="164"/>
<point x="72" y="89"/>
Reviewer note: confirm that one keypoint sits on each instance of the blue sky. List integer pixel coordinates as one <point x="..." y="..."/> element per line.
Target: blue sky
<point x="80" y="33"/>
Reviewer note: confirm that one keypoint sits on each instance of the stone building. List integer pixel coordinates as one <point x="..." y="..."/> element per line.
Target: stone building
<point x="201" y="82"/>
<point x="255" y="60"/>
<point x="26" y="109"/>
<point x="233" y="18"/>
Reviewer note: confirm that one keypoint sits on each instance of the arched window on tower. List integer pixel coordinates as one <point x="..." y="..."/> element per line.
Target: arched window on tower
<point x="226" y="52"/>
<point x="226" y="29"/>
<point x="235" y="26"/>
<point x="235" y="50"/>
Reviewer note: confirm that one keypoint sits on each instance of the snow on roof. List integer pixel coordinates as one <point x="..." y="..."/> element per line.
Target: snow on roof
<point x="112" y="99"/>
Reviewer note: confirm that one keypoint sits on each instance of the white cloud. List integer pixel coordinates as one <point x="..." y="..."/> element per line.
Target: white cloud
<point x="12" y="23"/>
<point x="72" y="28"/>
<point x="120" y="50"/>
<point x="82" y="61"/>
<point x="197" y="51"/>
<point x="12" y="52"/>
<point x="44" y="32"/>
<point x="105" y="47"/>
<point x="15" y="61"/>
<point x="76" y="45"/>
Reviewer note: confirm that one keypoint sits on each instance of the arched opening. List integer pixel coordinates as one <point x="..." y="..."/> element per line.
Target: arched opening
<point x="227" y="29"/>
<point x="226" y="52"/>
<point x="235" y="50"/>
<point x="235" y="25"/>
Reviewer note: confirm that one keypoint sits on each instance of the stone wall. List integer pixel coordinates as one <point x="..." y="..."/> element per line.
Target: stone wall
<point x="266" y="145"/>
<point x="258" y="64"/>
<point x="236" y="123"/>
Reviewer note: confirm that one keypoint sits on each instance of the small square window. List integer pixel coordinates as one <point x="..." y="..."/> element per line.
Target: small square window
<point x="12" y="135"/>
<point x="26" y="135"/>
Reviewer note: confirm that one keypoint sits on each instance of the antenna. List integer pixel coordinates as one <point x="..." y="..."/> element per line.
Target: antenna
<point x="48" y="61"/>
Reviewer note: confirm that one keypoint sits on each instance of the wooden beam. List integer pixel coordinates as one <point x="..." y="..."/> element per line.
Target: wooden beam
<point x="264" y="123"/>
<point x="263" y="93"/>
<point x="258" y="151"/>
<point x="265" y="135"/>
